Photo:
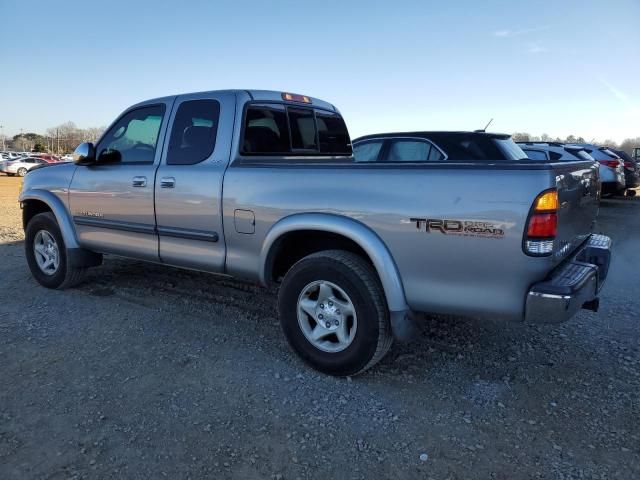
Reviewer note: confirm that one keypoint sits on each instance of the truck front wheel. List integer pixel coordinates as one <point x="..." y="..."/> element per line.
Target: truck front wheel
<point x="334" y="313"/>
<point x="46" y="253"/>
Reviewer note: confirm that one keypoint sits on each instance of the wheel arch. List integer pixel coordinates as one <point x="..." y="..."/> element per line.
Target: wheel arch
<point x="353" y="233"/>
<point x="38" y="201"/>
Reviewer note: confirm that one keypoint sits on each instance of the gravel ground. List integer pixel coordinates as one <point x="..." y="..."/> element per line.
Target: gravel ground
<point x="152" y="372"/>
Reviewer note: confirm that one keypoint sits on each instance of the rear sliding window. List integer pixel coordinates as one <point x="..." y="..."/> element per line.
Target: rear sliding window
<point x="276" y="129"/>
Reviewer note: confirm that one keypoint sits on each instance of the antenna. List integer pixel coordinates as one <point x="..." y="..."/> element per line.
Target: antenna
<point x="485" y="128"/>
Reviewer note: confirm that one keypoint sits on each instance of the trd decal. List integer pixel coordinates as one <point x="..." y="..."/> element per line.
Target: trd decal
<point x="467" y="228"/>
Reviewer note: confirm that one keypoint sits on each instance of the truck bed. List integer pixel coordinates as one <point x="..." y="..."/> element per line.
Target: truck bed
<point x="485" y="273"/>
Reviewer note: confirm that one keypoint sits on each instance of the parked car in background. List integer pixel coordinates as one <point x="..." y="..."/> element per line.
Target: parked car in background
<point x="263" y="186"/>
<point x="636" y="154"/>
<point x="631" y="171"/>
<point x="21" y="166"/>
<point x="6" y="161"/>
<point x="611" y="168"/>
<point x="554" y="151"/>
<point x="10" y="155"/>
<point x="47" y="157"/>
<point x="68" y="157"/>
<point x="436" y="147"/>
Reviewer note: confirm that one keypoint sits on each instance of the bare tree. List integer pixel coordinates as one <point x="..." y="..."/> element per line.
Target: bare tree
<point x="628" y="144"/>
<point x="67" y="136"/>
<point x="609" y="143"/>
<point x="521" y="137"/>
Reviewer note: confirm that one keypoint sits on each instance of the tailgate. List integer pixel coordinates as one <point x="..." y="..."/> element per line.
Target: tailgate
<point x="578" y="187"/>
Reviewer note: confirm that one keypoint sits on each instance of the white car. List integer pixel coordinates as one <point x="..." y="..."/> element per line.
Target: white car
<point x="20" y="166"/>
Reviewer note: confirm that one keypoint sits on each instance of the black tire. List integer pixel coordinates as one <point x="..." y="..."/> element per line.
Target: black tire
<point x="22" y="172"/>
<point x="65" y="276"/>
<point x="360" y="282"/>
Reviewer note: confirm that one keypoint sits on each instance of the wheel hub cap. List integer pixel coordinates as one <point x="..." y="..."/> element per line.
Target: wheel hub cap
<point x="45" y="249"/>
<point x="326" y="316"/>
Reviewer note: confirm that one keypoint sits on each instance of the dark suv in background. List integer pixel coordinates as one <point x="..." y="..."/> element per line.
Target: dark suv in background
<point x="554" y="151"/>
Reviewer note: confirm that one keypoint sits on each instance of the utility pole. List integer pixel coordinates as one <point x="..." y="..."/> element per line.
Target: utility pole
<point x="22" y="138"/>
<point x="58" y="140"/>
<point x="2" y="135"/>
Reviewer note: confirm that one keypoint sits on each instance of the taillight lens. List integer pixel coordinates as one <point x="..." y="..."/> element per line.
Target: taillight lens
<point x="542" y="228"/>
<point x="610" y="163"/>
<point x="629" y="165"/>
<point x="543" y="225"/>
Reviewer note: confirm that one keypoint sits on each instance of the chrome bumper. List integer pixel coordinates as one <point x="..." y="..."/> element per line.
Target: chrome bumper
<point x="572" y="285"/>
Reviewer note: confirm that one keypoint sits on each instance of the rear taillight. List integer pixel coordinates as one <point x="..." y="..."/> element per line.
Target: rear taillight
<point x="610" y="163"/>
<point x="629" y="165"/>
<point x="542" y="226"/>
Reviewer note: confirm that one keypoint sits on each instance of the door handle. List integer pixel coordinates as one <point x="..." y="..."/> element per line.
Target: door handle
<point x="139" y="181"/>
<point x="167" y="182"/>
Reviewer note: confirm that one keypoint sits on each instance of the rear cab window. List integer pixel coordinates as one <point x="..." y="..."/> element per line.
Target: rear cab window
<point x="283" y="129"/>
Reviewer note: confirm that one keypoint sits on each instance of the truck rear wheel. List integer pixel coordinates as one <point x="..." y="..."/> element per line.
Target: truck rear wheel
<point x="334" y="313"/>
<point x="46" y="254"/>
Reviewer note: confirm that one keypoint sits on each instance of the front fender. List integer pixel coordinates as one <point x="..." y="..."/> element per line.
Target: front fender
<point x="355" y="231"/>
<point x="59" y="210"/>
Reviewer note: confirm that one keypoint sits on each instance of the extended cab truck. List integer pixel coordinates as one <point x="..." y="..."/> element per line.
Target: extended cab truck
<point x="263" y="186"/>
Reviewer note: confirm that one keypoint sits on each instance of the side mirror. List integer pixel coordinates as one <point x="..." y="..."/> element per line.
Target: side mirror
<point x="84" y="154"/>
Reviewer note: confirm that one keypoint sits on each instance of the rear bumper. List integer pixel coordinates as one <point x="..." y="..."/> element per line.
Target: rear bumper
<point x="611" y="175"/>
<point x="613" y="187"/>
<point x="572" y="285"/>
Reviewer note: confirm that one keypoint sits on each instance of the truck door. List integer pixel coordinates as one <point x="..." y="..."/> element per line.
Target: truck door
<point x="189" y="181"/>
<point x="112" y="200"/>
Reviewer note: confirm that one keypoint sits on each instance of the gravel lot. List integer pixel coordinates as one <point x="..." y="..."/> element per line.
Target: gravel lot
<point x="152" y="372"/>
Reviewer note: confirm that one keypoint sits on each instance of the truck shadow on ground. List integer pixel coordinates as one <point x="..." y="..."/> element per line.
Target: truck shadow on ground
<point x="478" y="348"/>
<point x="481" y="345"/>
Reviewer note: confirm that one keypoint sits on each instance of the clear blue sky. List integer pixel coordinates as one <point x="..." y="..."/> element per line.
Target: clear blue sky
<point x="556" y="67"/>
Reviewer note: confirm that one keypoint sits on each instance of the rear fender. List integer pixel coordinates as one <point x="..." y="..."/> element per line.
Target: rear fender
<point x="353" y="230"/>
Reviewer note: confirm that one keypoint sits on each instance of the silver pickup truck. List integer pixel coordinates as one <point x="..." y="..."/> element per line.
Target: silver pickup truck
<point x="263" y="186"/>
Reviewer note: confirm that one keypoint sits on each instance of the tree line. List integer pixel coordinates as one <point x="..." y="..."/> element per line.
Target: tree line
<point x="64" y="138"/>
<point x="61" y="139"/>
<point x="627" y="145"/>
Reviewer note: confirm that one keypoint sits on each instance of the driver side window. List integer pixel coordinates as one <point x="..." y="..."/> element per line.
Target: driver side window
<point x="133" y="138"/>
